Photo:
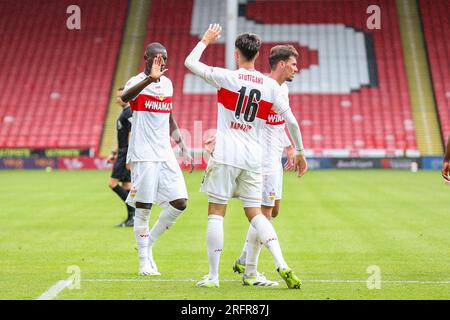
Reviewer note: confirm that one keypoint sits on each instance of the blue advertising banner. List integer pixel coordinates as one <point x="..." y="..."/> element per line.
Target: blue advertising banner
<point x="432" y="163"/>
<point x="28" y="163"/>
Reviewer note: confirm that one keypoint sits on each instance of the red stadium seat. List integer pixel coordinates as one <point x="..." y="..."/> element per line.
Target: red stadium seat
<point x="368" y="118"/>
<point x="435" y="17"/>
<point x="57" y="79"/>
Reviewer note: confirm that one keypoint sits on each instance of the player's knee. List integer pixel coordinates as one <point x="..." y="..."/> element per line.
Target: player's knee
<point x="179" y="204"/>
<point x="141" y="205"/>
<point x="275" y="212"/>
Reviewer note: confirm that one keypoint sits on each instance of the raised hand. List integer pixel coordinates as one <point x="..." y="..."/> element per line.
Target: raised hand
<point x="301" y="166"/>
<point x="212" y="34"/>
<point x="157" y="67"/>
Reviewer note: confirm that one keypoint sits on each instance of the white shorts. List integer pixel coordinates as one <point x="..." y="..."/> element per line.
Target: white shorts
<point x="222" y="182"/>
<point x="156" y="182"/>
<point x="272" y="187"/>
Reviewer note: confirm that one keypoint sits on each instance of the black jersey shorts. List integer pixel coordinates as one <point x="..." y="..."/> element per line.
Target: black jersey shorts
<point x="120" y="171"/>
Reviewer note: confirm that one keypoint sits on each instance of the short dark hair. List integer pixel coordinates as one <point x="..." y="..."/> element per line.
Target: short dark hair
<point x="248" y="44"/>
<point x="281" y="53"/>
<point x="153" y="48"/>
<point x="120" y="89"/>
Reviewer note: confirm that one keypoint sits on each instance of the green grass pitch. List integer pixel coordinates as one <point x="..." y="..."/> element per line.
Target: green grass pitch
<point x="332" y="226"/>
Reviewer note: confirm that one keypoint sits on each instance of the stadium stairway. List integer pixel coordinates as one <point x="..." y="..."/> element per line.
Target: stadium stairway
<point x="436" y="23"/>
<point x="365" y="111"/>
<point x="128" y="65"/>
<point x="419" y="80"/>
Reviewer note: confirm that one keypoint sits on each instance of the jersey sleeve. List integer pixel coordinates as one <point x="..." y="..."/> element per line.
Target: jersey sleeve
<point x="281" y="106"/>
<point x="219" y="76"/>
<point x="128" y="120"/>
<point x="211" y="75"/>
<point x="281" y="101"/>
<point x="130" y="83"/>
<point x="286" y="141"/>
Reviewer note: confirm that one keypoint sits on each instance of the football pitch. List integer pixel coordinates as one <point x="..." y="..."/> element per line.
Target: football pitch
<point x="337" y="229"/>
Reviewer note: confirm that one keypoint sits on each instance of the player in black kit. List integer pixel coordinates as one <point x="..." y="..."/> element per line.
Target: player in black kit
<point x="118" y="156"/>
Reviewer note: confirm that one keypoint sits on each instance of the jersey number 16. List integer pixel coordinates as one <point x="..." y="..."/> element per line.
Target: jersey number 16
<point x="252" y="105"/>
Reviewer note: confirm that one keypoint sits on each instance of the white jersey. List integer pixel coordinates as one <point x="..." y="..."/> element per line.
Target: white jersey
<point x="245" y="99"/>
<point x="274" y="139"/>
<point x="150" y="133"/>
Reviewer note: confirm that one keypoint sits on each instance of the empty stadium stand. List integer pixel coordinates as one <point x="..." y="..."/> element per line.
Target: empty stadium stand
<point x="56" y="81"/>
<point x="351" y="96"/>
<point x="436" y="23"/>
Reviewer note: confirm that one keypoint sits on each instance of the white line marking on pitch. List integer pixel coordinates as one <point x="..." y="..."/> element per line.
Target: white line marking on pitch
<point x="56" y="289"/>
<point x="305" y="281"/>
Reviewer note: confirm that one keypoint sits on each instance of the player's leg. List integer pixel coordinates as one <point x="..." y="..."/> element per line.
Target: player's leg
<point x="119" y="173"/>
<point x="219" y="183"/>
<point x="269" y="180"/>
<point x="254" y="245"/>
<point x="253" y="240"/>
<point x="250" y="186"/>
<point x="278" y="193"/>
<point x="276" y="209"/>
<point x="141" y="233"/>
<point x="167" y="218"/>
<point x="113" y="184"/>
<point x="268" y="236"/>
<point x="214" y="241"/>
<point x="126" y="184"/>
<point x="270" y="203"/>
<point x="172" y="196"/>
<point x="144" y="177"/>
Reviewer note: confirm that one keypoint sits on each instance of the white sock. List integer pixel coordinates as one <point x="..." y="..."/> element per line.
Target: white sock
<point x="242" y="258"/>
<point x="268" y="236"/>
<point x="141" y="218"/>
<point x="254" y="246"/>
<point x="214" y="243"/>
<point x="251" y="234"/>
<point x="166" y="219"/>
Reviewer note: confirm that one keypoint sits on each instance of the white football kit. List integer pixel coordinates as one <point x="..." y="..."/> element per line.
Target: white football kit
<point x="156" y="176"/>
<point x="245" y="99"/>
<point x="274" y="140"/>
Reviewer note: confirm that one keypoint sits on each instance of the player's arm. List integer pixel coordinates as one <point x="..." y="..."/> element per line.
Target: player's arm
<point x="290" y="152"/>
<point x="175" y="134"/>
<point x="155" y="74"/>
<point x="210" y="144"/>
<point x="446" y="164"/>
<point x="113" y="155"/>
<point x="282" y="108"/>
<point x="192" y="61"/>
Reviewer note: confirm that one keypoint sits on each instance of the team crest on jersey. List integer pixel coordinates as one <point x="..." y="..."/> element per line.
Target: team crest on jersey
<point x="272" y="196"/>
<point x="161" y="98"/>
<point x="133" y="192"/>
